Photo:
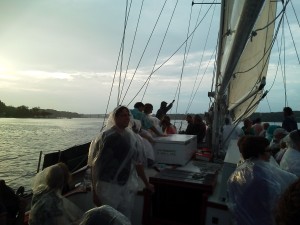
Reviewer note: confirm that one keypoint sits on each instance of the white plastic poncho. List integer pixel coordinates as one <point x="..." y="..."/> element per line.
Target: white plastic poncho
<point x="145" y="150"/>
<point x="104" y="215"/>
<point x="253" y="190"/>
<point x="114" y="173"/>
<point x="290" y="161"/>
<point x="48" y="206"/>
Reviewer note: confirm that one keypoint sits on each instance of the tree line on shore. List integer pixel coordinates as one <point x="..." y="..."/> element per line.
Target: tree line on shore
<point x="36" y="112"/>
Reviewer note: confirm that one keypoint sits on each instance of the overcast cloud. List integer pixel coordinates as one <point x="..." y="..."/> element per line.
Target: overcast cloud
<point x="62" y="54"/>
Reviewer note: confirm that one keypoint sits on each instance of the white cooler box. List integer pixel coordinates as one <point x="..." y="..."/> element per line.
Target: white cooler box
<point x="175" y="149"/>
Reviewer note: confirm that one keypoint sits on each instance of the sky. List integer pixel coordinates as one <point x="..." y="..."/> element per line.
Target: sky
<point x="63" y="54"/>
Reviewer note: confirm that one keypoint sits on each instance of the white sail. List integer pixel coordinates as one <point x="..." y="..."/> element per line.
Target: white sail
<point x="243" y="57"/>
<point x="241" y="75"/>
<point x="252" y="66"/>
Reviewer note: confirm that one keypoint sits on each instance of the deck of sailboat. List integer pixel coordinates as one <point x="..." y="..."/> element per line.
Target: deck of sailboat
<point x="182" y="193"/>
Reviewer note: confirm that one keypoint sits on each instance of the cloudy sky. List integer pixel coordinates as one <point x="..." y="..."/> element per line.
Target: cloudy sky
<point x="62" y="54"/>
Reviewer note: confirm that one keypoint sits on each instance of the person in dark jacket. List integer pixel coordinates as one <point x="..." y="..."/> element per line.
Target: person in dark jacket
<point x="289" y="123"/>
<point x="190" y="126"/>
<point x="12" y="206"/>
<point x="164" y="108"/>
<point x="199" y="128"/>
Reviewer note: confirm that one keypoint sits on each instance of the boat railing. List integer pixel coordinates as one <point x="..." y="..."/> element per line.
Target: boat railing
<point x="75" y="158"/>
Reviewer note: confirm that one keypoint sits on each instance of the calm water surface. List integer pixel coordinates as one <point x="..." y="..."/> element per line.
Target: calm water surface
<point x="21" y="141"/>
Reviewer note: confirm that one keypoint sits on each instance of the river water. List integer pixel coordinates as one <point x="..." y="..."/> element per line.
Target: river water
<point x="21" y="141"/>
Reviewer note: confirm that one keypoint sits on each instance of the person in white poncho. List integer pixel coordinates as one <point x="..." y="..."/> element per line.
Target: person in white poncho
<point x="291" y="159"/>
<point x="48" y="206"/>
<point x="256" y="185"/>
<point x="116" y="157"/>
<point x="104" y="215"/>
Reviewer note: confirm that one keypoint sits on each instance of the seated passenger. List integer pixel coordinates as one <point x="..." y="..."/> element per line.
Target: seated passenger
<point x="257" y="126"/>
<point x="146" y="139"/>
<point x="167" y="126"/>
<point x="48" y="206"/>
<point x="104" y="215"/>
<point x="138" y="114"/>
<point x="189" y="128"/>
<point x="247" y="128"/>
<point x="12" y="206"/>
<point x="278" y="135"/>
<point x="288" y="208"/>
<point x="264" y="131"/>
<point x="270" y="131"/>
<point x="256" y="185"/>
<point x="148" y="108"/>
<point x="291" y="159"/>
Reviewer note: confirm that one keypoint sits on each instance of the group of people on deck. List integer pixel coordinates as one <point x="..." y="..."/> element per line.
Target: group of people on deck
<point x="117" y="158"/>
<point x="264" y="188"/>
<point x="123" y="149"/>
<point x="120" y="153"/>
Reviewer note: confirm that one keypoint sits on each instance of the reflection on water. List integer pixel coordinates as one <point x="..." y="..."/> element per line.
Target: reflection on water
<point x="22" y="140"/>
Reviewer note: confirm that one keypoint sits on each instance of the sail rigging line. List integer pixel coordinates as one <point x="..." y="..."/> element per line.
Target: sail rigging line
<point x="144" y="50"/>
<point x="185" y="55"/>
<point x="190" y="100"/>
<point x="162" y="43"/>
<point x="292" y="38"/>
<point x="270" y="23"/>
<point x="114" y="77"/>
<point x="132" y="45"/>
<point x="213" y="54"/>
<point x="251" y="106"/>
<point x="295" y="13"/>
<point x="214" y="76"/>
<point x="278" y="63"/>
<point x="270" y="110"/>
<point x="204" y="48"/>
<point x="284" y="68"/>
<point x="170" y="56"/>
<point x="122" y="52"/>
<point x="187" y="109"/>
<point x="249" y="109"/>
<point x="205" y="3"/>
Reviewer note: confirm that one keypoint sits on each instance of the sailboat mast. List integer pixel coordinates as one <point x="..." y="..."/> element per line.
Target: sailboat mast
<point x="236" y="24"/>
